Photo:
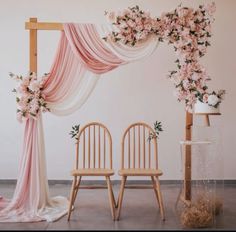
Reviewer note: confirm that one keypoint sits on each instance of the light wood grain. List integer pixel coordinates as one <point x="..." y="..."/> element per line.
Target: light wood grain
<point x="93" y="169"/>
<point x="33" y="56"/>
<point x="187" y="157"/>
<point x="32" y="25"/>
<point x="152" y="159"/>
<point x="140" y="172"/>
<point x="121" y="194"/>
<point x="92" y="172"/>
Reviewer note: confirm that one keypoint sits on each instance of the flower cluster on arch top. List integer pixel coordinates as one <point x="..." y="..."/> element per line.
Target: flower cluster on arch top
<point x="188" y="30"/>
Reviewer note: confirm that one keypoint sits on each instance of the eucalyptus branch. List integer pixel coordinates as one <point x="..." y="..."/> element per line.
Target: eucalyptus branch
<point x="74" y="132"/>
<point x="157" y="129"/>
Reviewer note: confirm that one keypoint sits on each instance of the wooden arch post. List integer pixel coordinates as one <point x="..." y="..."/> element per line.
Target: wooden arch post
<point x="33" y="47"/>
<point x="33" y="26"/>
<point x="188" y="158"/>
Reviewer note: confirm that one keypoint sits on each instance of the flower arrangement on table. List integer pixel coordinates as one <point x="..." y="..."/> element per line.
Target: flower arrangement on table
<point x="188" y="29"/>
<point x="212" y="99"/>
<point x="29" y="97"/>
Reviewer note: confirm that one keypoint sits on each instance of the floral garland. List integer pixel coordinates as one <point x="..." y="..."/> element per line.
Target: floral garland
<point x="29" y="97"/>
<point x="189" y="31"/>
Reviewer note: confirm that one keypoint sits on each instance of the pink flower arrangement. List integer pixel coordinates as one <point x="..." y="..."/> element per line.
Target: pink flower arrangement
<point x="188" y="29"/>
<point x="133" y="25"/>
<point x="213" y="98"/>
<point x="29" y="97"/>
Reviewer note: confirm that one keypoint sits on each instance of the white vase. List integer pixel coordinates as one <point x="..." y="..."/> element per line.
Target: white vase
<point x="204" y="108"/>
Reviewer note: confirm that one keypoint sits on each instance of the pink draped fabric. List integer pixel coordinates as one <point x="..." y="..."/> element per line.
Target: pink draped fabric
<point x="89" y="48"/>
<point x="31" y="191"/>
<point x="80" y="50"/>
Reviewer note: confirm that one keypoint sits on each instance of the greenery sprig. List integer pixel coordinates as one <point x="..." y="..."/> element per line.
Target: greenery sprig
<point x="157" y="129"/>
<point x="74" y="132"/>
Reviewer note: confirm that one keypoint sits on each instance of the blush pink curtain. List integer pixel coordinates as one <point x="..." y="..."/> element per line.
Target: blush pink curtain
<point x="81" y="56"/>
<point x="89" y="48"/>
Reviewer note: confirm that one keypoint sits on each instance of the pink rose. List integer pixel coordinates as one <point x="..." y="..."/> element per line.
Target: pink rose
<point x="147" y="26"/>
<point x="186" y="84"/>
<point x="131" y="23"/>
<point x="205" y="98"/>
<point x="21" y="89"/>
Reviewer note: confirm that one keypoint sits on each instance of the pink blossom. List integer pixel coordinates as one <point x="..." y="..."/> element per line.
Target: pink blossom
<point x="195" y="76"/>
<point x="147" y="26"/>
<point x="138" y="21"/>
<point x="139" y="27"/>
<point x="205" y="98"/>
<point x="186" y="84"/>
<point x="29" y="95"/>
<point x="182" y="12"/>
<point x="210" y="8"/>
<point x="147" y="14"/>
<point x="187" y="29"/>
<point x="208" y="28"/>
<point x="21" y="89"/>
<point x="131" y="23"/>
<point x="111" y="16"/>
<point x="25" y="81"/>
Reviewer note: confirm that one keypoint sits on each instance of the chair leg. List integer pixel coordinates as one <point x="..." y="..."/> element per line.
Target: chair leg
<point x="121" y="193"/>
<point x="71" y="197"/>
<point x="111" y="199"/>
<point x="155" y="190"/>
<point x="116" y="206"/>
<point x="76" y="189"/>
<point x="158" y="188"/>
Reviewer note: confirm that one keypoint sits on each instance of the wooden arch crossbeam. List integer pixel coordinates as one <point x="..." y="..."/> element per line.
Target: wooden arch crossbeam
<point x="33" y="26"/>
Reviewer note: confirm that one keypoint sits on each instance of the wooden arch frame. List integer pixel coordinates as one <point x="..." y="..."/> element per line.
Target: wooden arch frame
<point x="33" y="26"/>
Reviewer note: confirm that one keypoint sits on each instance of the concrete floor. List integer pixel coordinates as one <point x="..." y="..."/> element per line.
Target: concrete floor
<point x="139" y="211"/>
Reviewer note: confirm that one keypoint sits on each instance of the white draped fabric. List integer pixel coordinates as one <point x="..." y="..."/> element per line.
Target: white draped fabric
<point x="127" y="53"/>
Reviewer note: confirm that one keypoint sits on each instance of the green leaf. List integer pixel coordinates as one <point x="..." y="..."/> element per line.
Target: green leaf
<point x="75" y="131"/>
<point x="157" y="129"/>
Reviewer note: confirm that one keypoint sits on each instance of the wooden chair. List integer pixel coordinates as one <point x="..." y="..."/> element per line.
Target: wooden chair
<point x="139" y="158"/>
<point x="93" y="158"/>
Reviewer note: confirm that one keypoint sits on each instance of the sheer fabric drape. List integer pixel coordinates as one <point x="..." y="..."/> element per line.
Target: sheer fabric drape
<point x="81" y="57"/>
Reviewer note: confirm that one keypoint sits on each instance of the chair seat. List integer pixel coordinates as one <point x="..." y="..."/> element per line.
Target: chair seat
<point x="140" y="172"/>
<point x="92" y="172"/>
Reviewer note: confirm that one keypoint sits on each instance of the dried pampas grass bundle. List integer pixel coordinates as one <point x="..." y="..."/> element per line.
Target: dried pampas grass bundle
<point x="194" y="217"/>
<point x="200" y="214"/>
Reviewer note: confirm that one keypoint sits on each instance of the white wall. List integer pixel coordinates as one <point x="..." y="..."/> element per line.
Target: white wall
<point x="136" y="92"/>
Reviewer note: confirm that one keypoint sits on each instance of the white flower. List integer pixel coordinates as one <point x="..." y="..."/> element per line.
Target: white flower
<point x="34" y="86"/>
<point x="213" y="100"/>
